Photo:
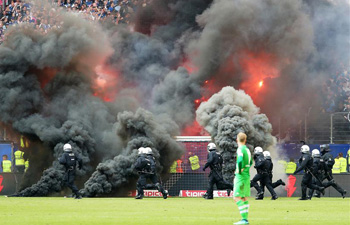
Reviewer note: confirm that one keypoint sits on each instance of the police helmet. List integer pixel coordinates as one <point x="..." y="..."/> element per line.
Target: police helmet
<point x="141" y="150"/>
<point x="325" y="148"/>
<point x="67" y="147"/>
<point x="148" y="151"/>
<point x="315" y="152"/>
<point x="267" y="154"/>
<point x="211" y="146"/>
<point x="258" y="150"/>
<point x="305" y="149"/>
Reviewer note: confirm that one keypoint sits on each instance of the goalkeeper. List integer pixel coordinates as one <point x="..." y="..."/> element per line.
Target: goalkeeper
<point x="242" y="178"/>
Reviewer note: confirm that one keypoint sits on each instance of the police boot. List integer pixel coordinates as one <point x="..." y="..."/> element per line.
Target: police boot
<point x="344" y="193"/>
<point x="78" y="196"/>
<point x="281" y="182"/>
<point x="228" y="192"/>
<point x="139" y="197"/>
<point x="322" y="190"/>
<point x="205" y="195"/>
<point x="165" y="194"/>
<point x="303" y="192"/>
<point x="260" y="196"/>
<point x="208" y="197"/>
<point x="274" y="197"/>
<point x="317" y="195"/>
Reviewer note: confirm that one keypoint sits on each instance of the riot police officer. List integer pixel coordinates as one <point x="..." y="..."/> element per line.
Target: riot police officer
<point x="329" y="162"/>
<point x="268" y="159"/>
<point x="69" y="160"/>
<point x="319" y="169"/>
<point x="146" y="167"/>
<point x="306" y="164"/>
<point x="262" y="167"/>
<point x="214" y="162"/>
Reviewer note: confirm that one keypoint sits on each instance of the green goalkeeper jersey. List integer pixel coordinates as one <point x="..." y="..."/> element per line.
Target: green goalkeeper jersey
<point x="244" y="161"/>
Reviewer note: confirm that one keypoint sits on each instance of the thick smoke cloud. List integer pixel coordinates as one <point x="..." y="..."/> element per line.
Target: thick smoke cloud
<point x="281" y="33"/>
<point x="139" y="129"/>
<point x="147" y="63"/>
<point x="49" y="93"/>
<point x="59" y="111"/>
<point x="54" y="83"/>
<point x="226" y="114"/>
<point x="230" y="27"/>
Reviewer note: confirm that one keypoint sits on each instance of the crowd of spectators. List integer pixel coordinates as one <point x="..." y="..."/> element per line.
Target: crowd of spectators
<point x="44" y="18"/>
<point x="337" y="92"/>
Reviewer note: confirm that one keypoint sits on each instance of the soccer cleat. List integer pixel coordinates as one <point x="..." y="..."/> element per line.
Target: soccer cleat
<point x="242" y="222"/>
<point x="344" y="193"/>
<point x="139" y="197"/>
<point x="228" y="192"/>
<point x="208" y="197"/>
<point x="302" y="199"/>
<point x="274" y="197"/>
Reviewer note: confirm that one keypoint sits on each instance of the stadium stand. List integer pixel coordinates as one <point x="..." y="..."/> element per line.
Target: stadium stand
<point x="42" y="17"/>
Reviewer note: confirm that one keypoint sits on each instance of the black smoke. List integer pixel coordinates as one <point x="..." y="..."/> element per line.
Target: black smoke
<point x="226" y="114"/>
<point x="139" y="129"/>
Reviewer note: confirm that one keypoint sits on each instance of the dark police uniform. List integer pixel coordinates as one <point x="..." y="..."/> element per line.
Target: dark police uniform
<point x="319" y="168"/>
<point x="70" y="159"/>
<point x="269" y="171"/>
<point x="263" y="167"/>
<point x="214" y="162"/>
<point x="329" y="162"/>
<point x="146" y="167"/>
<point x="306" y="164"/>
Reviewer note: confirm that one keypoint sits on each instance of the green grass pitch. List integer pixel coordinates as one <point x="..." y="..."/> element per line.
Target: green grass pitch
<point x="177" y="211"/>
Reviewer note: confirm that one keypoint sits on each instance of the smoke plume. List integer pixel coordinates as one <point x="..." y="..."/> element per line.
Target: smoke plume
<point x="135" y="130"/>
<point x="226" y="114"/>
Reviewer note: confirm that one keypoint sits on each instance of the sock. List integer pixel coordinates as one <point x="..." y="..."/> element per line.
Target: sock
<point x="243" y="210"/>
<point x="246" y="204"/>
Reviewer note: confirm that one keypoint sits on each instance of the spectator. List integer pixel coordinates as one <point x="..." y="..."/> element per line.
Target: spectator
<point x="19" y="161"/>
<point x="194" y="161"/>
<point x="342" y="162"/>
<point x="176" y="167"/>
<point x="173" y="167"/>
<point x="6" y="164"/>
<point x="348" y="160"/>
<point x="336" y="166"/>
<point x="291" y="166"/>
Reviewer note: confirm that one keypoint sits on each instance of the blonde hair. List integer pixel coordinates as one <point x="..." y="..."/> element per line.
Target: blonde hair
<point x="241" y="137"/>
